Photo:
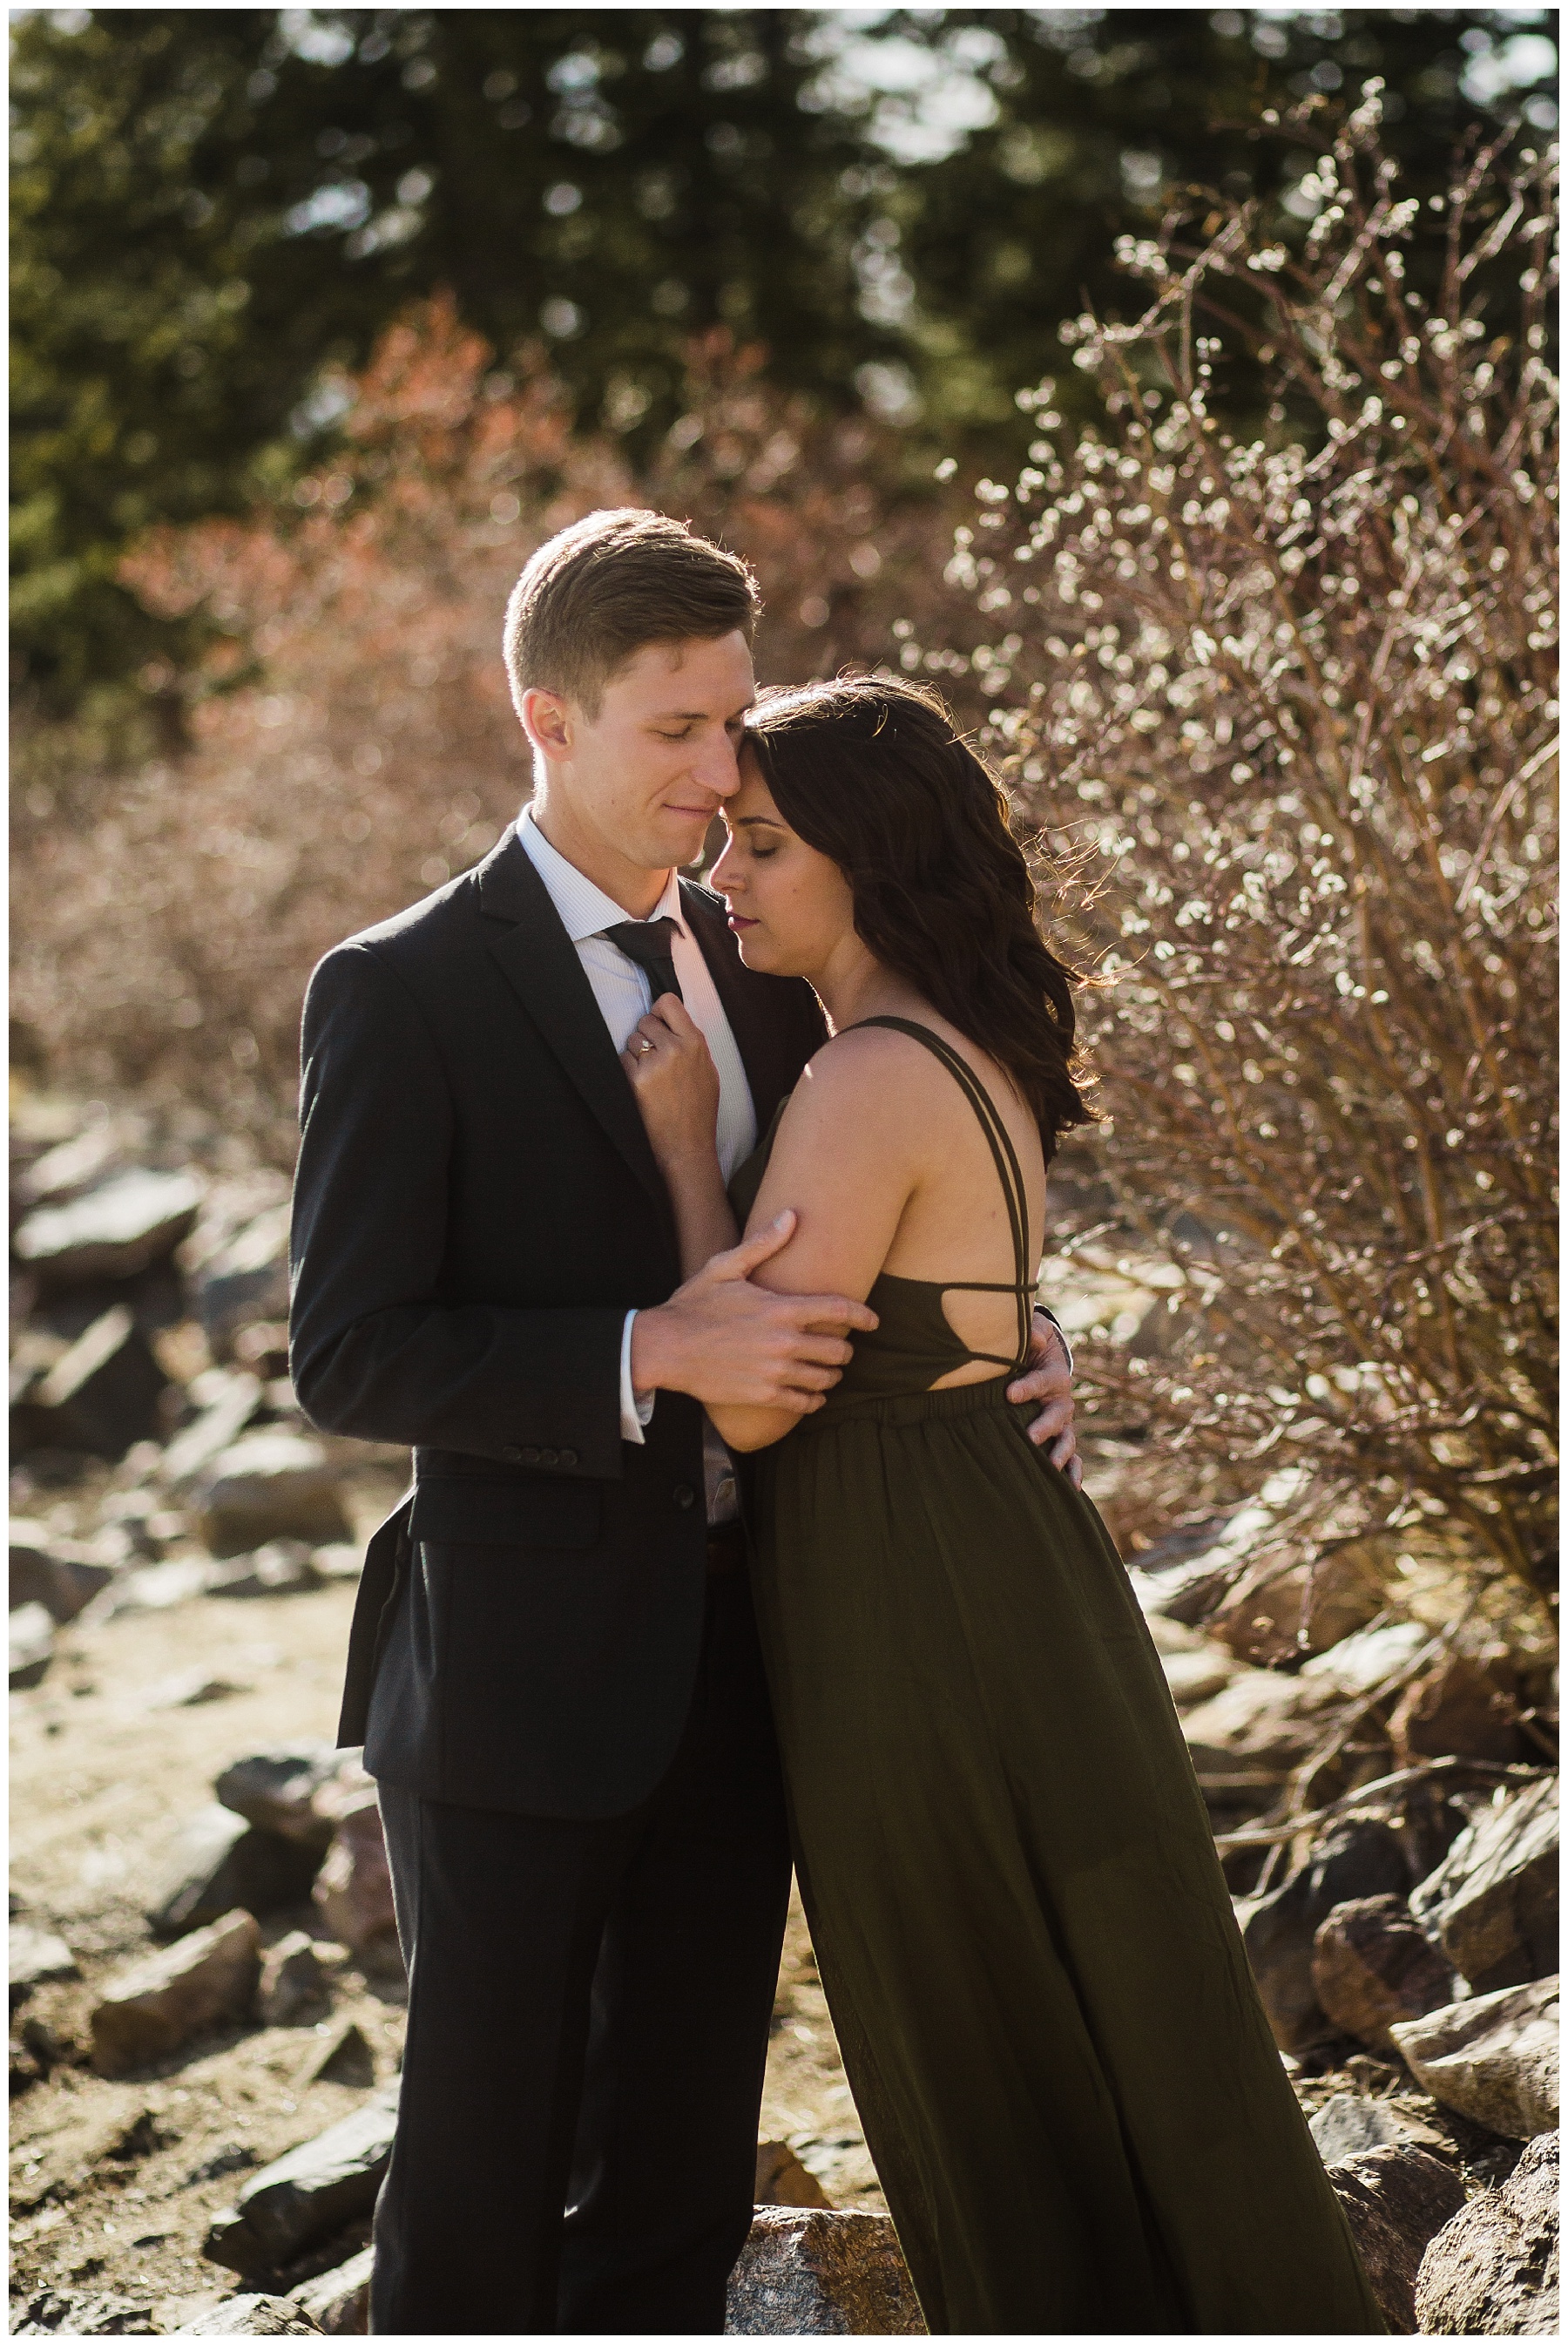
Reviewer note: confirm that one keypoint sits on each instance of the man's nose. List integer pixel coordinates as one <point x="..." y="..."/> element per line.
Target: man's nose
<point x="719" y="767"/>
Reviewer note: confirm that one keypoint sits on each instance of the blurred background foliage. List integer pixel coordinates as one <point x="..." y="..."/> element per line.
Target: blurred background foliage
<point x="216" y="212"/>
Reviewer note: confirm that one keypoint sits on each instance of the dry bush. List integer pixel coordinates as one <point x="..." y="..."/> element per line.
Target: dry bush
<point x="354" y="744"/>
<point x="1298" y="691"/>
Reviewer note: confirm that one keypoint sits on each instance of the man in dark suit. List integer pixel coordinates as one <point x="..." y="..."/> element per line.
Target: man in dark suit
<point x="553" y="1665"/>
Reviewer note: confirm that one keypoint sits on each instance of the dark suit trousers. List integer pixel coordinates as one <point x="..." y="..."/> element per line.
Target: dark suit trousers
<point x="588" y="2007"/>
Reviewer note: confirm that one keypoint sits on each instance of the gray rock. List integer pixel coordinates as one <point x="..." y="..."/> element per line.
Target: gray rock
<point x="1372" y="1965"/>
<point x="114" y="1230"/>
<point x="278" y="1790"/>
<point x="253" y="2314"/>
<point x="1357" y="1857"/>
<point x="281" y="1567"/>
<point x="1349" y="2124"/>
<point x="1493" y="2271"/>
<point x="32" y="1646"/>
<point x="1491" y="1903"/>
<point x="37" y="1957"/>
<point x="220" y="1861"/>
<point x="293" y="1986"/>
<point x="809" y="2273"/>
<point x="270" y="1485"/>
<point x="1396" y="2200"/>
<point x="1195" y="1676"/>
<point x="56" y="1572"/>
<point x="101" y="1396"/>
<point x="245" y="1280"/>
<point x="1493" y="2060"/>
<point x="1262" y="1721"/>
<point x="339" y="2300"/>
<point x="310" y="2192"/>
<point x="228" y="1398"/>
<point x="160" y="2002"/>
<point x="353" y="1892"/>
<point x="75" y="1164"/>
<point x="341" y="2055"/>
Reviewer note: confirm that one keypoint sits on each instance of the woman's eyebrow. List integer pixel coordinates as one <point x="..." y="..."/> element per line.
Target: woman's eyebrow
<point x="751" y="821"/>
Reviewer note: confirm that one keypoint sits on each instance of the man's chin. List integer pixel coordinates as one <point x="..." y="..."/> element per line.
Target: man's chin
<point x="681" y="839"/>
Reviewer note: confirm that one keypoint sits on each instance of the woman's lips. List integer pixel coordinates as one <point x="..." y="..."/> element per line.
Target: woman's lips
<point x="738" y="919"/>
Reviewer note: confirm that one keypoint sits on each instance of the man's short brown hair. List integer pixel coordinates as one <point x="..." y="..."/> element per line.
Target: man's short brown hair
<point x="599" y="592"/>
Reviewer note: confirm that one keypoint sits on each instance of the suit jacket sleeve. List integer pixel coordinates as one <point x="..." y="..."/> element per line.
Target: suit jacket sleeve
<point x="373" y="1349"/>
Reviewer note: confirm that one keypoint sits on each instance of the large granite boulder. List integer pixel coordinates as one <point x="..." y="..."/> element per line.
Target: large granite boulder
<point x="1493" y="2060"/>
<point x="1493" y="2271"/>
<point x="1492" y="1903"/>
<point x="808" y="2273"/>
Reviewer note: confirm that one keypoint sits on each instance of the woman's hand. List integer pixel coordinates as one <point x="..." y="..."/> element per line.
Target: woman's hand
<point x="674" y="1083"/>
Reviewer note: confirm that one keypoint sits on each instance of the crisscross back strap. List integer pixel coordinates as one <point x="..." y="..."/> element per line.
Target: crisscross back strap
<point x="1004" y="1156"/>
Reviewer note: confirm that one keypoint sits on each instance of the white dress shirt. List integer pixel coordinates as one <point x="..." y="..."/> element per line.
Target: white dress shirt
<point x="625" y="995"/>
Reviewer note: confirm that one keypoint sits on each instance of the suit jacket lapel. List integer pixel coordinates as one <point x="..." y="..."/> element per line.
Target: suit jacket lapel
<point x="774" y="1019"/>
<point x="541" y="964"/>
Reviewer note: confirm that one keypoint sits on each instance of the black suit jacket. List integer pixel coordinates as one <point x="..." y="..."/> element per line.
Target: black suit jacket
<point x="475" y="1208"/>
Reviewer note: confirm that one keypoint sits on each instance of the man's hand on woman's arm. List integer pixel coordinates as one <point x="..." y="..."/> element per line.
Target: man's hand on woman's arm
<point x="1048" y="1379"/>
<point x="731" y="1344"/>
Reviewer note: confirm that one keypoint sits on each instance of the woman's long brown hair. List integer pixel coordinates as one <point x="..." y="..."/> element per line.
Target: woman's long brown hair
<point x="875" y="776"/>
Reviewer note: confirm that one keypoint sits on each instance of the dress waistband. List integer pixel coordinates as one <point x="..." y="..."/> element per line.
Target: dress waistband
<point x="917" y="1407"/>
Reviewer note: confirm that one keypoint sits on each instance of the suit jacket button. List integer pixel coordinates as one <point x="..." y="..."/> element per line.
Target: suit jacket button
<point x="525" y="1456"/>
<point x="550" y="1456"/>
<point x="513" y="1454"/>
<point x="569" y="1457"/>
<point x="685" y="1495"/>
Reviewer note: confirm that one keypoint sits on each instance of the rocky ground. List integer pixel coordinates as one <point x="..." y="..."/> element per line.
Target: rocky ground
<point x="205" y="1982"/>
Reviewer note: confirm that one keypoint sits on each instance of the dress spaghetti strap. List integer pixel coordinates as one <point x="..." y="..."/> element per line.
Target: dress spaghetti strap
<point x="1004" y="1156"/>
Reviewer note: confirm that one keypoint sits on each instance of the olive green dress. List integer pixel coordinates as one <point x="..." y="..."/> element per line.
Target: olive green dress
<point x="1070" y="2091"/>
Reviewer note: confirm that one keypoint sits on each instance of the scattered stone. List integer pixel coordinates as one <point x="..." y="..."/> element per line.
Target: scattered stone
<point x="1491" y="1903"/>
<point x="353" y="1892"/>
<point x="220" y="1861"/>
<point x="160" y="2002"/>
<point x="245" y="1280"/>
<point x="1364" y="1661"/>
<point x="101" y="1396"/>
<point x="783" y="2181"/>
<point x="1492" y="2269"/>
<point x="1357" y="1857"/>
<point x="55" y="1572"/>
<point x="1494" y="2059"/>
<point x="1465" y="1706"/>
<point x="279" y="1790"/>
<point x="293" y="1988"/>
<point x="281" y="1567"/>
<point x="1396" y="2200"/>
<point x="1372" y="1965"/>
<point x="227" y="1399"/>
<point x="253" y="2314"/>
<point x="342" y="2055"/>
<point x="1196" y="1676"/>
<point x="37" y="1957"/>
<point x="55" y="2311"/>
<point x="64" y="1171"/>
<point x="152" y="1587"/>
<point x="1261" y="1722"/>
<point x="340" y="1561"/>
<point x="811" y="2273"/>
<point x="114" y="1230"/>
<point x="1349" y="2124"/>
<point x="32" y="1646"/>
<point x="1273" y="1614"/>
<point x="270" y="1485"/>
<point x="339" y="2300"/>
<point x="189" y="1689"/>
<point x="311" y="2192"/>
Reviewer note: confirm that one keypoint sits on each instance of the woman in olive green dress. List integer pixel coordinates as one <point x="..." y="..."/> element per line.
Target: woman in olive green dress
<point x="1070" y="2091"/>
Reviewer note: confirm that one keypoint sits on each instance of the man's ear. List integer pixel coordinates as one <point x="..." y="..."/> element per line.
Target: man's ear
<point x="548" y="721"/>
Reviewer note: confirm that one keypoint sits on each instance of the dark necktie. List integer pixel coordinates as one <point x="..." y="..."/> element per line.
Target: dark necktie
<point x="649" y="943"/>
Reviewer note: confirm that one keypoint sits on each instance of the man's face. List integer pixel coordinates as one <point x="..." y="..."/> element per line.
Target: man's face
<point x="639" y="781"/>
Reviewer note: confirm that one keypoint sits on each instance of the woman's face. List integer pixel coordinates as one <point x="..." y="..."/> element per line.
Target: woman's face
<point x="791" y="908"/>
